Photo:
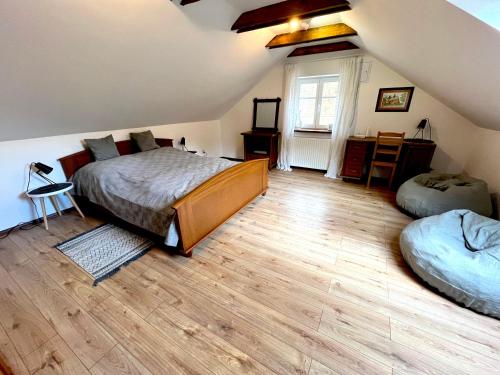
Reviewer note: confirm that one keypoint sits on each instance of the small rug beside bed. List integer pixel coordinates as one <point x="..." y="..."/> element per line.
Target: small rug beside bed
<point x="103" y="250"/>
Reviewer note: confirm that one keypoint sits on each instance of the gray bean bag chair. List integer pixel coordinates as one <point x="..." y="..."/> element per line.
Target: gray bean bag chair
<point x="433" y="194"/>
<point x="458" y="253"/>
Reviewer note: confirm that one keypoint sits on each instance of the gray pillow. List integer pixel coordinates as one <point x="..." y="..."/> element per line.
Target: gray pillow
<point x="103" y="148"/>
<point x="145" y="140"/>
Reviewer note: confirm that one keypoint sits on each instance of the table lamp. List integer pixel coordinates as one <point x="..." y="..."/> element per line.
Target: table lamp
<point x="42" y="170"/>
<point x="421" y="128"/>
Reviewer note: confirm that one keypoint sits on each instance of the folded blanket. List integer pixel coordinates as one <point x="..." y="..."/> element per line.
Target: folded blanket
<point x="481" y="233"/>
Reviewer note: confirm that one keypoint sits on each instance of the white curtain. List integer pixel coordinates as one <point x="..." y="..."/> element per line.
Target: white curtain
<point x="343" y="127"/>
<point x="289" y="118"/>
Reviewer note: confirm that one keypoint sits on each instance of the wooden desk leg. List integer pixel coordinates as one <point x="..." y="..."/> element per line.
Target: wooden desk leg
<point x="56" y="206"/>
<point x="74" y="204"/>
<point x="44" y="211"/>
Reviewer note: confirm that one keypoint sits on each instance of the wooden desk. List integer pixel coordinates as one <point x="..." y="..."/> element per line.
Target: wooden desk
<point x="261" y="145"/>
<point x="416" y="157"/>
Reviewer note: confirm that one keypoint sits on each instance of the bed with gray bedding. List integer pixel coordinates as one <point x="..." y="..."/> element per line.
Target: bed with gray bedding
<point x="141" y="188"/>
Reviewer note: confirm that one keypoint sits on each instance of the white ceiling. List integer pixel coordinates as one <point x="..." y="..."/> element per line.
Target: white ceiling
<point x="71" y="66"/>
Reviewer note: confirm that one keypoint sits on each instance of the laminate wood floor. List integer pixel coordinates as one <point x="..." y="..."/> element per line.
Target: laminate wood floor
<point x="306" y="280"/>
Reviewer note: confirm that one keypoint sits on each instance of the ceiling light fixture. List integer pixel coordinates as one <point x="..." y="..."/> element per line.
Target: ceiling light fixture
<point x="294" y="24"/>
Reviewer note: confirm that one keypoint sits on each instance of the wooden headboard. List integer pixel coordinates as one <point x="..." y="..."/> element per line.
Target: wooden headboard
<point x="74" y="162"/>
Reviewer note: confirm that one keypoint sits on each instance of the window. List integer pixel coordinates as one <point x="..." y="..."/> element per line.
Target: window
<point x="317" y="103"/>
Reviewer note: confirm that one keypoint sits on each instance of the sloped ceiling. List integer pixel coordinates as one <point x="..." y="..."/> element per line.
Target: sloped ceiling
<point x="440" y="48"/>
<point x="72" y="66"/>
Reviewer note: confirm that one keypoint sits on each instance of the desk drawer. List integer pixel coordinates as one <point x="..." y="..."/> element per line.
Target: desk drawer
<point x="355" y="159"/>
<point x="357" y="148"/>
<point x="355" y="172"/>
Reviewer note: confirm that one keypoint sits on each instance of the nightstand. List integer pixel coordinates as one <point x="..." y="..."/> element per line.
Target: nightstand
<point x="261" y="145"/>
<point x="51" y="191"/>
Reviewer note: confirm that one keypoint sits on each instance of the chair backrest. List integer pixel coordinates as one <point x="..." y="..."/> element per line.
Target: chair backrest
<point x="389" y="144"/>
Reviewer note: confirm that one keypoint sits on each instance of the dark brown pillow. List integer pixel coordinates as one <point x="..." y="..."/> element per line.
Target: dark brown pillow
<point x="144" y="140"/>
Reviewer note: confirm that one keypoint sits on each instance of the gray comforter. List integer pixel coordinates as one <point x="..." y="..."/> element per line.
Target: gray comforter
<point x="142" y="187"/>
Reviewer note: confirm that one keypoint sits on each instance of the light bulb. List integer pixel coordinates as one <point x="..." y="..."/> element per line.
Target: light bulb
<point x="294" y="24"/>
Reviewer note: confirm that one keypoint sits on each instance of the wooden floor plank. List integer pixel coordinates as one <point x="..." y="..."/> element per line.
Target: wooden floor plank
<point x="22" y="321"/>
<point x="215" y="352"/>
<point x="119" y="361"/>
<point x="301" y="337"/>
<point x="75" y="281"/>
<point x="158" y="351"/>
<point x="258" y="344"/>
<point x="123" y="287"/>
<point x="73" y="323"/>
<point x="54" y="357"/>
<point x="318" y="369"/>
<point x="456" y="356"/>
<point x="10" y="360"/>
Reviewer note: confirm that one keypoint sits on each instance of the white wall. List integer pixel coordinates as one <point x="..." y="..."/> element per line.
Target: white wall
<point x="16" y="156"/>
<point x="239" y="118"/>
<point x="451" y="131"/>
<point x="484" y="161"/>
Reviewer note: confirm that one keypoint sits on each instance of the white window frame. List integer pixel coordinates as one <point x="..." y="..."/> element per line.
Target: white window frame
<point x="320" y="80"/>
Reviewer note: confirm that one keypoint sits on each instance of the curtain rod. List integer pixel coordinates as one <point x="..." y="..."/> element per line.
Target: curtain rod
<point x="305" y="60"/>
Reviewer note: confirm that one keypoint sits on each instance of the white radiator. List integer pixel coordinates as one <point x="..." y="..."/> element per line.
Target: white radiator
<point x="310" y="152"/>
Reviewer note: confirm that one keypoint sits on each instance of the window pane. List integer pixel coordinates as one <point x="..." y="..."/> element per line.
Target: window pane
<point x="330" y="88"/>
<point x="328" y="106"/>
<point x="327" y="113"/>
<point x="308" y="90"/>
<point x="307" y="108"/>
<point x="326" y="122"/>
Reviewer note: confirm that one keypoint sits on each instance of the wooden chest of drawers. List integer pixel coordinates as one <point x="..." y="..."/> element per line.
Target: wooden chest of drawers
<point x="356" y="159"/>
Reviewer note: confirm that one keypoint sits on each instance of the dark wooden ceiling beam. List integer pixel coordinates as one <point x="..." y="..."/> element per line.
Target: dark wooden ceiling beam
<point x="323" y="48"/>
<point x="186" y="2"/>
<point x="284" y="11"/>
<point x="339" y="30"/>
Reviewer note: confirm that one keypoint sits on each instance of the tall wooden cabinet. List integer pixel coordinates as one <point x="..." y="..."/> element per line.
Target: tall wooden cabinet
<point x="261" y="145"/>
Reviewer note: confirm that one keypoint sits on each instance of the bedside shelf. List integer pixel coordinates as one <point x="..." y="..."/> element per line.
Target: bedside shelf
<point x="261" y="145"/>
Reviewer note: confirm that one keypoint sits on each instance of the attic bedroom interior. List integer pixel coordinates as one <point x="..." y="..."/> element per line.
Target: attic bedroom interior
<point x="250" y="187"/>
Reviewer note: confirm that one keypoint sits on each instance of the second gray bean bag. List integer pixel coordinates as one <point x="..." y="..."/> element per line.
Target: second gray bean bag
<point x="433" y="194"/>
<point x="459" y="254"/>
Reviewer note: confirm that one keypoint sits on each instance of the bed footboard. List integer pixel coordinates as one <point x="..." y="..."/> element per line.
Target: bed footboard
<point x="215" y="201"/>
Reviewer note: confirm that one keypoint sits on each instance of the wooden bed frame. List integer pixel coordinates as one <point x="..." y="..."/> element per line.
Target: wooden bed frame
<point x="208" y="206"/>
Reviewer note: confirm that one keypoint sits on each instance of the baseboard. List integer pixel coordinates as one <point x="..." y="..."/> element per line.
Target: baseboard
<point x="39" y="220"/>
<point x="308" y="169"/>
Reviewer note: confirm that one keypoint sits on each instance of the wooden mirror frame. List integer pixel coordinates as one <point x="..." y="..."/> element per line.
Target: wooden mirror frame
<point x="256" y="101"/>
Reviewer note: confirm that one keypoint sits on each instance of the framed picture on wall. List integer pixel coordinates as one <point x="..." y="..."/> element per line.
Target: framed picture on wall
<point x="394" y="99"/>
